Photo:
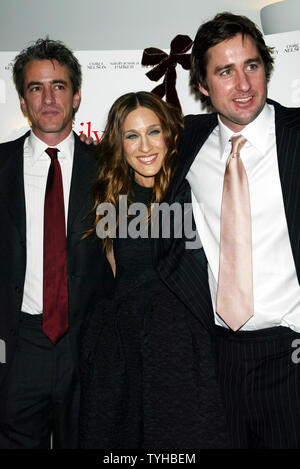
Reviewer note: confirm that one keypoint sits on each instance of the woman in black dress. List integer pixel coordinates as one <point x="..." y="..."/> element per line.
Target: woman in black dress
<point x="147" y="368"/>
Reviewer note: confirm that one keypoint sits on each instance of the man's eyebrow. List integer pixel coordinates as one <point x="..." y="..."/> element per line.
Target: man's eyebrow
<point x="63" y="82"/>
<point x="53" y="82"/>
<point x="248" y="61"/>
<point x="254" y="59"/>
<point x="219" y="68"/>
<point x="33" y="83"/>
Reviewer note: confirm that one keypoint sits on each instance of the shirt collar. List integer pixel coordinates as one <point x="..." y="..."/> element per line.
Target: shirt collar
<point x="37" y="147"/>
<point x="256" y="133"/>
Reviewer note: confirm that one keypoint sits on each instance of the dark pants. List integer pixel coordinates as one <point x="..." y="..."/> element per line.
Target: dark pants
<point x="260" y="381"/>
<point x="44" y="399"/>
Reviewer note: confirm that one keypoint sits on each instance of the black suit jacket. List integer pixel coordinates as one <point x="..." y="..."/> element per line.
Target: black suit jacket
<point x="185" y="271"/>
<point x="86" y="263"/>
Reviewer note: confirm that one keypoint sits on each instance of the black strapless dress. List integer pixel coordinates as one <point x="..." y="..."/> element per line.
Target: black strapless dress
<point x="147" y="367"/>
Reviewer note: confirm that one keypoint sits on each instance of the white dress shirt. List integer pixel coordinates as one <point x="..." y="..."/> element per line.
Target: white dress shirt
<point x="36" y="167"/>
<point x="275" y="284"/>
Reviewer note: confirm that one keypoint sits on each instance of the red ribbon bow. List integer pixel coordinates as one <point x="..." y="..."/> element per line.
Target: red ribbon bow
<point x="166" y="64"/>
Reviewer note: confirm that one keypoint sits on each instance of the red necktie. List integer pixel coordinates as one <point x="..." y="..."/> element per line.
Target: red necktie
<point x="55" y="280"/>
<point x="235" y="291"/>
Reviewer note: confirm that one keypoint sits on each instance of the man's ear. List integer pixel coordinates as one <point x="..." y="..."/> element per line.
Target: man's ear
<point x="23" y="105"/>
<point x="203" y="90"/>
<point x="76" y="99"/>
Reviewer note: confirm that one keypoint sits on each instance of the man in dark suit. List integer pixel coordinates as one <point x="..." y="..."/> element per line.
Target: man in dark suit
<point x="48" y="274"/>
<point x="255" y="329"/>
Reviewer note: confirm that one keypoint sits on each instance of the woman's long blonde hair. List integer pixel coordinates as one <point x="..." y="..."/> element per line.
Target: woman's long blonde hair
<point x="114" y="176"/>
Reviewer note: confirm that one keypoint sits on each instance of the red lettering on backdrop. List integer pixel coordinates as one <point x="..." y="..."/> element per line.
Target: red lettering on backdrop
<point x="97" y="134"/>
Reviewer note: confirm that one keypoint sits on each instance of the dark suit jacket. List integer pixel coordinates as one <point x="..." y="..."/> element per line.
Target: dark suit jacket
<point x="86" y="263"/>
<point x="185" y="271"/>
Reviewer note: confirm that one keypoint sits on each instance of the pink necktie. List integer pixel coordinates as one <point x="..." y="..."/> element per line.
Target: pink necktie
<point x="55" y="280"/>
<point x="235" y="284"/>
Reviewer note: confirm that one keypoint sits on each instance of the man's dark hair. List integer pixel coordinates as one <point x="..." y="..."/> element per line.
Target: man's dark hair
<point x="46" y="49"/>
<point x="224" y="26"/>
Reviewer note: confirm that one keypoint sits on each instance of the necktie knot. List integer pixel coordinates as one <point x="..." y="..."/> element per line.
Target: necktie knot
<point x="52" y="152"/>
<point x="237" y="142"/>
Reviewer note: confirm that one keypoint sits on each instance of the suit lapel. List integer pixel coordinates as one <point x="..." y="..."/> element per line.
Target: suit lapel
<point x="288" y="144"/>
<point x="12" y="182"/>
<point x="185" y="271"/>
<point x="195" y="134"/>
<point x="83" y="174"/>
<point x="12" y="185"/>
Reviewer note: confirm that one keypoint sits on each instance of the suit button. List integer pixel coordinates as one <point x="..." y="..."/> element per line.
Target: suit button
<point x="18" y="289"/>
<point x="12" y="331"/>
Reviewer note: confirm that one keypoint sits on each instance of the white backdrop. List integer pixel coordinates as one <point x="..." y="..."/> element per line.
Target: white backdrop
<point x="109" y="74"/>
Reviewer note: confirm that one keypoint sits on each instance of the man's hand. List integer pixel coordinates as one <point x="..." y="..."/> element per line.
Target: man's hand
<point x="88" y="140"/>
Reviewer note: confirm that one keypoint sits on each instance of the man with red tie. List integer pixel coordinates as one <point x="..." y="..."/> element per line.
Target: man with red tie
<point x="49" y="274"/>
